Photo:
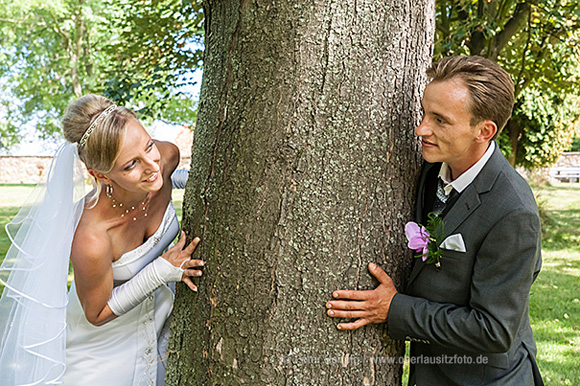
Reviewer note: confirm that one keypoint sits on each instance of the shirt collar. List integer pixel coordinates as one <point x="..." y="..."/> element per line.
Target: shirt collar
<point x="463" y="181"/>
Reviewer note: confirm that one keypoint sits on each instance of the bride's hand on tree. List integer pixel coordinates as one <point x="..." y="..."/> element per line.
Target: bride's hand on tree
<point x="181" y="257"/>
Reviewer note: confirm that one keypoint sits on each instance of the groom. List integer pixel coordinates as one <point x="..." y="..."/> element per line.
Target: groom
<point x="466" y="317"/>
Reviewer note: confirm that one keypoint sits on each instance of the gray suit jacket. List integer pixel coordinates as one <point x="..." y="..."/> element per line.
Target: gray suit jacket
<point x="468" y="321"/>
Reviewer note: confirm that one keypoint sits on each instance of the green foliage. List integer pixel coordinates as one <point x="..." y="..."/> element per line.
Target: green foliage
<point x="9" y="133"/>
<point x="436" y="230"/>
<point x="537" y="42"/>
<point x="43" y="59"/>
<point x="575" y="146"/>
<point x="545" y="118"/>
<point x="503" y="141"/>
<point x="133" y="51"/>
<point x="156" y="44"/>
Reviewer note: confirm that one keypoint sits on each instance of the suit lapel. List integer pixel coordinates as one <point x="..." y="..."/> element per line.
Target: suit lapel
<point x="423" y="199"/>
<point x="424" y="204"/>
<point x="466" y="204"/>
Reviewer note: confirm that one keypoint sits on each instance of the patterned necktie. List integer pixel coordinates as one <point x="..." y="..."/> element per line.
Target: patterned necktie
<point x="440" y="197"/>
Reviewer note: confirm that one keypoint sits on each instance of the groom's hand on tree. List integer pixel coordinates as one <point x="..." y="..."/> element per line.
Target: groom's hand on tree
<point x="364" y="306"/>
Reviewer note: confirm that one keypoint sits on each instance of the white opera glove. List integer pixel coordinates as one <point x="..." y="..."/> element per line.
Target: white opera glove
<point x="129" y="294"/>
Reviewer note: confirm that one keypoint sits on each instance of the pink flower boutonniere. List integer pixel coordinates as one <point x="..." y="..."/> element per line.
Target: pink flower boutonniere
<point x="426" y="240"/>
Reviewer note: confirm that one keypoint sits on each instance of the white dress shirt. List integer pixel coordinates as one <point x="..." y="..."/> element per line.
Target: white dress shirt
<point x="463" y="181"/>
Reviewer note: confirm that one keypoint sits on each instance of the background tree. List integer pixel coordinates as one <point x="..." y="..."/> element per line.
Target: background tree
<point x="538" y="43"/>
<point x="136" y="52"/>
<point x="160" y="41"/>
<point x="575" y="145"/>
<point x="303" y="171"/>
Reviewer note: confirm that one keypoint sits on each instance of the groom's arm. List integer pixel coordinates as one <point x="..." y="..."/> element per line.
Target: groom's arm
<point x="507" y="263"/>
<point x="503" y="273"/>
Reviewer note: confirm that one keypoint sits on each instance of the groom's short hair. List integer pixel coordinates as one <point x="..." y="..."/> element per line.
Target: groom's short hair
<point x="491" y="88"/>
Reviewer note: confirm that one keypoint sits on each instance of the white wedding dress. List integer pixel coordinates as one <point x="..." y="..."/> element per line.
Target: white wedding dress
<point x="131" y="350"/>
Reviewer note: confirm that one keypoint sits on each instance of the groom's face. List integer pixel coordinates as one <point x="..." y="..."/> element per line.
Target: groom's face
<point x="445" y="130"/>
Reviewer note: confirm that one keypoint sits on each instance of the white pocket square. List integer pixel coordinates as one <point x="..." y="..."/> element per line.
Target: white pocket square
<point x="454" y="243"/>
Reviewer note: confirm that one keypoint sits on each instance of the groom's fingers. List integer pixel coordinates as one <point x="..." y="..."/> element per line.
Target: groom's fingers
<point x="381" y="275"/>
<point x="346" y="305"/>
<point x="352" y="295"/>
<point x="353" y="325"/>
<point x="347" y="314"/>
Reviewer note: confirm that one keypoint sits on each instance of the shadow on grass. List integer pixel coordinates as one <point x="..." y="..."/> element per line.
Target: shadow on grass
<point x="573" y="187"/>
<point x="6" y="214"/>
<point x="561" y="230"/>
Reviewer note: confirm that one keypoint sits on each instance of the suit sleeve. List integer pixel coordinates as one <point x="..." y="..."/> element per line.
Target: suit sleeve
<point x="504" y="270"/>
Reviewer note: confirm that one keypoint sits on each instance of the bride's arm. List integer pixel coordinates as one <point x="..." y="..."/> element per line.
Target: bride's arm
<point x="91" y="257"/>
<point x="94" y="281"/>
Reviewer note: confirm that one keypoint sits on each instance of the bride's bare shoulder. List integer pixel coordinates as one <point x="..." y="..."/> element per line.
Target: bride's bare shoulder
<point x="91" y="242"/>
<point x="169" y="155"/>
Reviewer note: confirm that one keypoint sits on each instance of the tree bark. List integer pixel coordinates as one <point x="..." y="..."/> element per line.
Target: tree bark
<point x="515" y="134"/>
<point x="303" y="171"/>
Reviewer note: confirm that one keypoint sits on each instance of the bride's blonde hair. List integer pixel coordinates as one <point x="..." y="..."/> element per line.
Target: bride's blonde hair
<point x="102" y="146"/>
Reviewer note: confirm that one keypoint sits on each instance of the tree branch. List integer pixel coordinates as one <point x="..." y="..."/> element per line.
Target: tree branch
<point x="14" y="21"/>
<point x="56" y="28"/>
<point x="79" y="28"/>
<point x="518" y="87"/>
<point x="510" y="29"/>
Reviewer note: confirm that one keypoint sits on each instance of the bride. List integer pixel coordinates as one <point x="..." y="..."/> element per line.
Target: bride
<point x="115" y="318"/>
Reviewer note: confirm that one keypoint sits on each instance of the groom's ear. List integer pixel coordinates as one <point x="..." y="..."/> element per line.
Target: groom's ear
<point x="99" y="176"/>
<point x="487" y="130"/>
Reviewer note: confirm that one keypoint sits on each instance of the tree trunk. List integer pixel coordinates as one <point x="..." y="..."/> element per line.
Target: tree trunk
<point x="514" y="131"/>
<point x="303" y="171"/>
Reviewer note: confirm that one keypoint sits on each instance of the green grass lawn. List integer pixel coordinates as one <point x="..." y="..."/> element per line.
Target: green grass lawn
<point x="555" y="297"/>
<point x="554" y="300"/>
<point x="12" y="196"/>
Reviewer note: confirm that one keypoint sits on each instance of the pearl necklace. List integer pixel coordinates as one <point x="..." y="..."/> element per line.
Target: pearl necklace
<point x="143" y="206"/>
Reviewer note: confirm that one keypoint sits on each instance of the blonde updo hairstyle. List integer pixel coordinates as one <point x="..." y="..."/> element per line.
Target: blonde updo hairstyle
<point x="103" y="145"/>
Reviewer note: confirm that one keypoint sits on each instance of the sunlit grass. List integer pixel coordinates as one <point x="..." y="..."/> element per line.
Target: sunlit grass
<point x="555" y="298"/>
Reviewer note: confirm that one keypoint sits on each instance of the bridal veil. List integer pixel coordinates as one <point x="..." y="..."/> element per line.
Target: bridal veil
<point x="34" y="274"/>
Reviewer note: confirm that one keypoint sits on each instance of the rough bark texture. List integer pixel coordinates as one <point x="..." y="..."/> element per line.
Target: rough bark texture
<point x="303" y="171"/>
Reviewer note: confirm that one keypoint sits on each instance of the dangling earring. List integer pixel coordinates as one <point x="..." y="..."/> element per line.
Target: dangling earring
<point x="109" y="191"/>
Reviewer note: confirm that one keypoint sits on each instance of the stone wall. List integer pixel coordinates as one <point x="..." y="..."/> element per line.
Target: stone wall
<point x="32" y="170"/>
<point x="23" y="170"/>
<point x="568" y="159"/>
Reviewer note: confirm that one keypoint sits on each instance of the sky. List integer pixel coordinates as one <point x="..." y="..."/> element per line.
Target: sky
<point x="31" y="145"/>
